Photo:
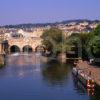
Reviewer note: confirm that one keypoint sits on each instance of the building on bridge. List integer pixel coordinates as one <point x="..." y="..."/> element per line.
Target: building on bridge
<point x="21" y="41"/>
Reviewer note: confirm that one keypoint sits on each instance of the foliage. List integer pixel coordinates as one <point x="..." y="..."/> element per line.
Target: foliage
<point x="53" y="39"/>
<point x="93" y="45"/>
<point x="61" y="48"/>
<point x="78" y="41"/>
<point x="48" y="45"/>
<point x="96" y="31"/>
<point x="55" y="34"/>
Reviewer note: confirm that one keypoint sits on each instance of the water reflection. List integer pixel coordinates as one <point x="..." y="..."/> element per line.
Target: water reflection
<point x="2" y="61"/>
<point x="55" y="73"/>
<point x="78" y="86"/>
<point x="95" y="96"/>
<point x="81" y="89"/>
<point x="28" y="78"/>
<point x="21" y="65"/>
<point x="24" y="59"/>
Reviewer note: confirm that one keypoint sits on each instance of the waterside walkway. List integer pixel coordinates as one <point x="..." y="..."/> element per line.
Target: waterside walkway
<point x="90" y="70"/>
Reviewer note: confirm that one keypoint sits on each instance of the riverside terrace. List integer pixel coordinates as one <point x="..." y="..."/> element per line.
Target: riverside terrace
<point x="87" y="68"/>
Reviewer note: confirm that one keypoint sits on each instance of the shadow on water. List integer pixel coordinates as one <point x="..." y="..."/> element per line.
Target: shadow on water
<point x="56" y="73"/>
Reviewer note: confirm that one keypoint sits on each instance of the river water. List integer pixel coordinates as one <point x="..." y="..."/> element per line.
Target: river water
<point x="29" y="77"/>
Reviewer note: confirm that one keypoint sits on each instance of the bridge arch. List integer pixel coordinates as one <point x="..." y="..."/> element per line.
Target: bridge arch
<point x="40" y="48"/>
<point x="27" y="48"/>
<point x="14" y="49"/>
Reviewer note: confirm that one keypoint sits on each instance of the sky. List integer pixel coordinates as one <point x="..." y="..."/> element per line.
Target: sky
<point x="42" y="11"/>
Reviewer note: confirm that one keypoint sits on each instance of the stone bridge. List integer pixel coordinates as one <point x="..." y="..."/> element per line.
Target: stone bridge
<point x="13" y="45"/>
<point x="24" y="44"/>
<point x="21" y="41"/>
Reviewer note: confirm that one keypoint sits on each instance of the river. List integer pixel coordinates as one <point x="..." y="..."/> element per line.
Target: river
<point x="28" y="77"/>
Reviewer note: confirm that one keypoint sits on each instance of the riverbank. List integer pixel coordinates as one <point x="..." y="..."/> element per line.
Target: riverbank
<point x="90" y="70"/>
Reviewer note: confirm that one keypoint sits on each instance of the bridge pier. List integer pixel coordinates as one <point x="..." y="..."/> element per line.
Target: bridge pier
<point x="2" y="54"/>
<point x="0" y="48"/>
<point x="3" y="48"/>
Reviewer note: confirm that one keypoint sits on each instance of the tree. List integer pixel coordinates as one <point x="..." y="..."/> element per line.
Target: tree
<point x="78" y="40"/>
<point x="54" y="40"/>
<point x="96" y="31"/>
<point x="54" y="33"/>
<point x="93" y="45"/>
<point x="48" y="45"/>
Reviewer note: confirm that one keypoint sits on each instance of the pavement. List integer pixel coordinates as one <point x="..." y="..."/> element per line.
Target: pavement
<point x="91" y="70"/>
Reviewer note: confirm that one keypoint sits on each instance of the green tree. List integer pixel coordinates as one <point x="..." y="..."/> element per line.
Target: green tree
<point x="54" y="33"/>
<point x="78" y="40"/>
<point x="93" y="45"/>
<point x="48" y="45"/>
<point x="54" y="40"/>
<point x="96" y="31"/>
